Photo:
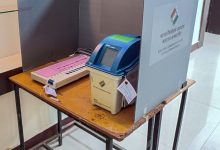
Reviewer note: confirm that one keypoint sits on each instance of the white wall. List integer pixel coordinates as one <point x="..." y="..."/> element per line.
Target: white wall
<point x="197" y="23"/>
<point x="9" y="32"/>
<point x="8" y="5"/>
<point x="37" y="116"/>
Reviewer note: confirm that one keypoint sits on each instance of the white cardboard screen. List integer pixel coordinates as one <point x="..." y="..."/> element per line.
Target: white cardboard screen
<point x="166" y="44"/>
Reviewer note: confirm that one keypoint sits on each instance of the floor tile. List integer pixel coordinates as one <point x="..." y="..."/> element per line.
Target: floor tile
<point x="168" y="126"/>
<point x="143" y="129"/>
<point x="213" y="142"/>
<point x="204" y="67"/>
<point x="80" y="140"/>
<point x="135" y="141"/>
<point x="198" y="124"/>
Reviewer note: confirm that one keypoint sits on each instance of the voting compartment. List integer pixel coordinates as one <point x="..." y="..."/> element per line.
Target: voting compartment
<point x="166" y="34"/>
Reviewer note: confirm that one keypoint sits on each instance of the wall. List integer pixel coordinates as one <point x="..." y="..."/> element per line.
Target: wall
<point x="9" y="45"/>
<point x="198" y="22"/>
<point x="100" y="18"/>
<point x="213" y="18"/>
<point x="37" y="116"/>
<point x="9" y="42"/>
<point x="99" y="24"/>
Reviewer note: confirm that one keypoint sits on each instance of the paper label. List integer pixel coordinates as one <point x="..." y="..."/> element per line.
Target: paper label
<point x="127" y="90"/>
<point x="50" y="91"/>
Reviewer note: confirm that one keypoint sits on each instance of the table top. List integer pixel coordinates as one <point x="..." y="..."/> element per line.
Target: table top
<point x="74" y="100"/>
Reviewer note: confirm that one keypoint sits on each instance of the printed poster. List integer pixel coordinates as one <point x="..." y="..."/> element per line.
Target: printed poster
<point x="170" y="31"/>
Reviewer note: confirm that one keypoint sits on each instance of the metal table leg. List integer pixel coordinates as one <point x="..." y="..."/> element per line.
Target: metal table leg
<point x="180" y="119"/>
<point x="157" y="127"/>
<point x="19" y="117"/>
<point x="109" y="144"/>
<point x="154" y="126"/>
<point x="59" y="127"/>
<point x="150" y="134"/>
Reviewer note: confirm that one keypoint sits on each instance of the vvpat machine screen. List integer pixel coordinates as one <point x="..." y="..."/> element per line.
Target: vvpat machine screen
<point x="109" y="56"/>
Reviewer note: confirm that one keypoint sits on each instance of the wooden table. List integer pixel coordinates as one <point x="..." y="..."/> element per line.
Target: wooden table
<point x="74" y="100"/>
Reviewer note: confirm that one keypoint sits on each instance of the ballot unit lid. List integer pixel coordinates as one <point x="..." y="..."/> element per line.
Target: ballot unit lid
<point x="116" y="54"/>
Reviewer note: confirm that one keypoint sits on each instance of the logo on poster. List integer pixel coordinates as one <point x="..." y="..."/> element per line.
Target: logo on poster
<point x="174" y="16"/>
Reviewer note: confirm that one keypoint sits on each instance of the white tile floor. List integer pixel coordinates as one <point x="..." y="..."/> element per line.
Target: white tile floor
<point x="201" y="124"/>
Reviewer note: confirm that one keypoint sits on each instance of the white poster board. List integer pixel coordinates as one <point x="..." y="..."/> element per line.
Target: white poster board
<point x="166" y="44"/>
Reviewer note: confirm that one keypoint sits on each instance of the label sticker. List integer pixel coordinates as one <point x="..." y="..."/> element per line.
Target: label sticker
<point x="127" y="90"/>
<point x="50" y="91"/>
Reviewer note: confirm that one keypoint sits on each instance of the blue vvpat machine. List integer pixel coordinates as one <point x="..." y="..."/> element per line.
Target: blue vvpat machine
<point x="115" y="57"/>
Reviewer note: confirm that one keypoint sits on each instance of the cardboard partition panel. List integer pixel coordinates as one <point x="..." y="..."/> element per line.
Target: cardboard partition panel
<point x="48" y="30"/>
<point x="100" y="18"/>
<point x="53" y="29"/>
<point x="166" y="44"/>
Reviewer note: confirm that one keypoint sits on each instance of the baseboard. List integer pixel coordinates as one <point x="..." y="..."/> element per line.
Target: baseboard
<point x="46" y="134"/>
<point x="5" y="85"/>
<point x="195" y="46"/>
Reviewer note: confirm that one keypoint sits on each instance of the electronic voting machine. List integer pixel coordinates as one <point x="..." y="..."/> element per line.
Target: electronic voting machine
<point x="115" y="58"/>
<point x="63" y="72"/>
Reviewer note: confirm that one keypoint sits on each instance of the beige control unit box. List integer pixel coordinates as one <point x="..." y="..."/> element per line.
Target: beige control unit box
<point x="104" y="91"/>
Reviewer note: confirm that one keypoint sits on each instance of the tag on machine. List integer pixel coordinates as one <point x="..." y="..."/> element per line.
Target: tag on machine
<point x="127" y="90"/>
<point x="50" y="91"/>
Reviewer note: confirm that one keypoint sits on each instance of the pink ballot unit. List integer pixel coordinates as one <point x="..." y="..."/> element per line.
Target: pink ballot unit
<point x="62" y="73"/>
